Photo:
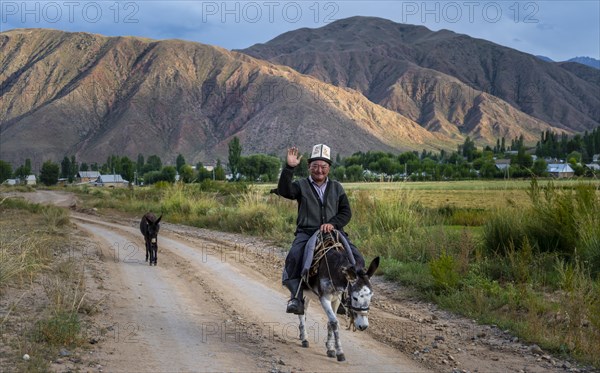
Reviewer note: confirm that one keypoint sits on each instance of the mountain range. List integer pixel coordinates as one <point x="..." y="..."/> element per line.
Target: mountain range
<point x="357" y="84"/>
<point x="588" y="61"/>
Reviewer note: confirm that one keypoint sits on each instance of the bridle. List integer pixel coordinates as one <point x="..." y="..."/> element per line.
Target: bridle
<point x="352" y="311"/>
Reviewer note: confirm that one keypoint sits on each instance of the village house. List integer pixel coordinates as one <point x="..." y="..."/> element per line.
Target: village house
<point x="87" y="176"/>
<point x="11" y="182"/>
<point x="593" y="166"/>
<point x="560" y="170"/>
<point x="111" y="181"/>
<point x="29" y="180"/>
<point x="502" y="164"/>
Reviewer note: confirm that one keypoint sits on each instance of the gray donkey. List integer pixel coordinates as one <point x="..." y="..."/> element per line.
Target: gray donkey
<point x="335" y="276"/>
<point x="149" y="227"/>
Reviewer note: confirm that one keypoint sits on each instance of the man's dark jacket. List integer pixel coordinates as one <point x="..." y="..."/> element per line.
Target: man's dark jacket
<point x="335" y="208"/>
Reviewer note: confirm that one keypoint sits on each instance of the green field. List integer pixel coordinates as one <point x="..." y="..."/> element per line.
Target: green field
<point x="469" y="194"/>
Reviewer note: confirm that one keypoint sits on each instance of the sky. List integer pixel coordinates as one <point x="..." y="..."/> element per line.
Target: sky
<point x="557" y="29"/>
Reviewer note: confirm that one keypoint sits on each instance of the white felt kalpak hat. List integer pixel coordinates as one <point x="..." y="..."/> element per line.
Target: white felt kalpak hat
<point x="320" y="152"/>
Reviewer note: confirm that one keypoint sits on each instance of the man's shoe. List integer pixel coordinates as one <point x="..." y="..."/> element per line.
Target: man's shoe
<point x="295" y="306"/>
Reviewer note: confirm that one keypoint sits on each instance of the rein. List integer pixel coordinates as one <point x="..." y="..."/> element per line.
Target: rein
<point x="324" y="246"/>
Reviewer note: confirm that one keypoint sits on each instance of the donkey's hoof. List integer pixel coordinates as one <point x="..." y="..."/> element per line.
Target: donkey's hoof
<point x="330" y="353"/>
<point x="341" y="357"/>
<point x="305" y="344"/>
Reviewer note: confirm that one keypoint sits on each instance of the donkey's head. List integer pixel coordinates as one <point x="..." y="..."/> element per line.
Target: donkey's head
<point x="152" y="229"/>
<point x="360" y="292"/>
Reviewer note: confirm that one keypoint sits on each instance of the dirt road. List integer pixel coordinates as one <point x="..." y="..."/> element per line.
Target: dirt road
<point x="214" y="303"/>
<point x="200" y="309"/>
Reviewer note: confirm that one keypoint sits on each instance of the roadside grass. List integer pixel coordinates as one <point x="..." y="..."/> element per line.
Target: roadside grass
<point x="563" y="321"/>
<point x="519" y="254"/>
<point x="36" y="258"/>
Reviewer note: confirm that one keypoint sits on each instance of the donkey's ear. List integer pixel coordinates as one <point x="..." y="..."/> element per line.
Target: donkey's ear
<point x="350" y="273"/>
<point x="373" y="267"/>
<point x="158" y="220"/>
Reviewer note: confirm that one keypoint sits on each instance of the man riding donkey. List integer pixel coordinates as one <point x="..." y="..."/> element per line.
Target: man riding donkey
<point x="322" y="206"/>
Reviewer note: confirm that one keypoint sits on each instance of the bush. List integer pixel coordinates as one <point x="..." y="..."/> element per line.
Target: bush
<point x="503" y="232"/>
<point x="445" y="272"/>
<point x="565" y="222"/>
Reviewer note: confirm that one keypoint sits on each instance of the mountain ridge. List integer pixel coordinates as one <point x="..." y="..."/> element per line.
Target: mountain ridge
<point x="99" y="96"/>
<point x="93" y="96"/>
<point x="478" y="64"/>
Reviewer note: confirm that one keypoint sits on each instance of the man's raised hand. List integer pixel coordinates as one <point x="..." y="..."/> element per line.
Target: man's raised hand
<point x="293" y="159"/>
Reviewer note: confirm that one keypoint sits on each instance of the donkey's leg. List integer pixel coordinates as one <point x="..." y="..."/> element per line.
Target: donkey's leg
<point x="333" y="335"/>
<point x="302" y="329"/>
<point x="339" y="353"/>
<point x="147" y="244"/>
<point x="155" y="254"/>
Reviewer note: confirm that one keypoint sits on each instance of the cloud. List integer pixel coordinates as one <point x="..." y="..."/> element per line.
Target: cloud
<point x="559" y="29"/>
<point x="544" y="27"/>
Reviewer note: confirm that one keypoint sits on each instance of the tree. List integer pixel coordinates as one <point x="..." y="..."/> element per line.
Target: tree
<point x="219" y="171"/>
<point x="523" y="159"/>
<point x="354" y="173"/>
<point x="153" y="164"/>
<point x="127" y="169"/>
<point x="339" y="173"/>
<point x="260" y="167"/>
<point x="203" y="173"/>
<point x="22" y="172"/>
<point x="5" y="171"/>
<point x="65" y="167"/>
<point x="113" y="165"/>
<point x="168" y="173"/>
<point x="74" y="169"/>
<point x="540" y="167"/>
<point x="574" y="157"/>
<point x="152" y="177"/>
<point x="180" y="162"/>
<point x="186" y="173"/>
<point x="468" y="149"/>
<point x="49" y="173"/>
<point x="235" y="156"/>
<point x="389" y="165"/>
<point x="488" y="169"/>
<point x="139" y="167"/>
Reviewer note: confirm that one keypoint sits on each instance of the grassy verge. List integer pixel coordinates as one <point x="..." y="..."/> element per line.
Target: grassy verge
<point x="41" y="283"/>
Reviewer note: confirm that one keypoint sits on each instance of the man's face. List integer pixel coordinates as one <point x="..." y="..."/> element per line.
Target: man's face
<point x="319" y="170"/>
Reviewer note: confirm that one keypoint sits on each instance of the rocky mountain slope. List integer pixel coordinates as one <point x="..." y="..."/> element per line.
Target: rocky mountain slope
<point x="447" y="82"/>
<point x="93" y="96"/>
